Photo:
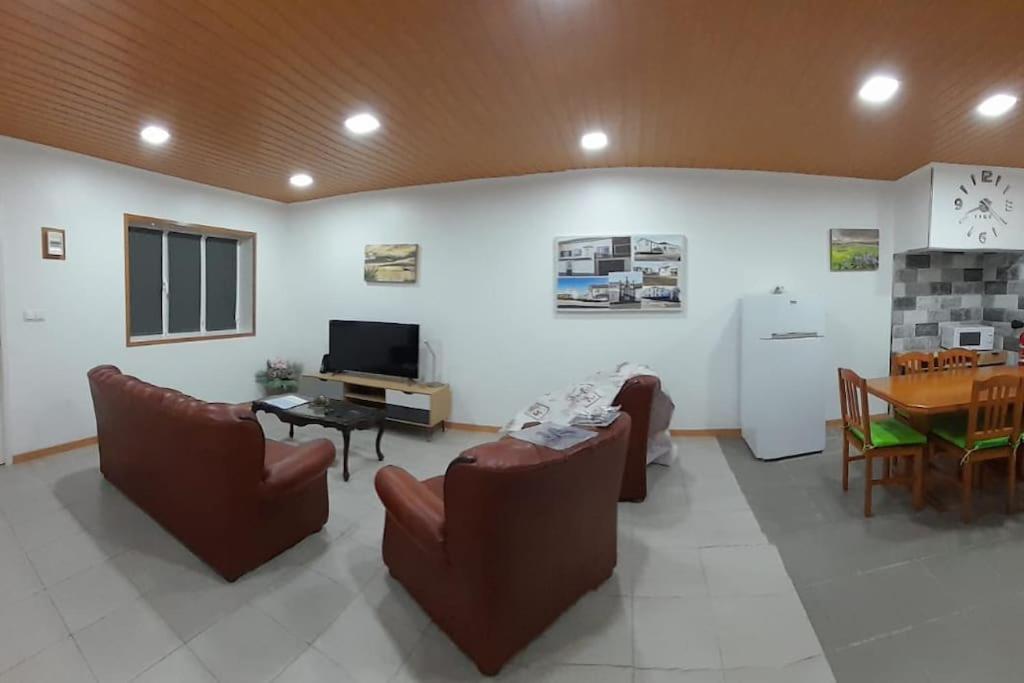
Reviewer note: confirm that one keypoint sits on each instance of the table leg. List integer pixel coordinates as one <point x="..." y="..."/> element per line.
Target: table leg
<point x="291" y="431"/>
<point x="344" y="471"/>
<point x="380" y="433"/>
<point x="918" y="479"/>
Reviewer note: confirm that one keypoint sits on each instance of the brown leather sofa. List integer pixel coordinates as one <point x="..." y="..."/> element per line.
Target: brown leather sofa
<point x="206" y="473"/>
<point x="636" y="398"/>
<point x="508" y="539"/>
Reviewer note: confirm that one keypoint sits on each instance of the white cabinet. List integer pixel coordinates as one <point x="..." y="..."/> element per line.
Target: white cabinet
<point x="958" y="207"/>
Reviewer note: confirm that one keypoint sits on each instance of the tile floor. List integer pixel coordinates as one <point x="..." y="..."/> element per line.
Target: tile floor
<point x="904" y="597"/>
<point x="91" y="589"/>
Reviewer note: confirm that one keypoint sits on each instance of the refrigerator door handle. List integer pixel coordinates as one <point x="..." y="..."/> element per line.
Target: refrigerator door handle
<point x="776" y="336"/>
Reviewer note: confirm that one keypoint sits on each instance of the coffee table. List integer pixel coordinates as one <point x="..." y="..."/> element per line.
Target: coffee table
<point x="341" y="415"/>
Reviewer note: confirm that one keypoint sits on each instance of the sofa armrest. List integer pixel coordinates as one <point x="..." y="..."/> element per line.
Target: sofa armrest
<point x="412" y="505"/>
<point x="308" y="461"/>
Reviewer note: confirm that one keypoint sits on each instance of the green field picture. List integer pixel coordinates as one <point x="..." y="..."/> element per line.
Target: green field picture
<point x="853" y="249"/>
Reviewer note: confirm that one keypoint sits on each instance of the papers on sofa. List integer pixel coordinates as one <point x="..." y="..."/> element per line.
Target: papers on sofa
<point x="595" y="393"/>
<point x="596" y="417"/>
<point x="550" y="435"/>
<point x="286" y="402"/>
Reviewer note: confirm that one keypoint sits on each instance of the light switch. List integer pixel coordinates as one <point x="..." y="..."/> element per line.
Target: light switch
<point x="33" y="315"/>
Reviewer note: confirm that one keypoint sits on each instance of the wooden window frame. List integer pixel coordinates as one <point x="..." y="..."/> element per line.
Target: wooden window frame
<point x="163" y="224"/>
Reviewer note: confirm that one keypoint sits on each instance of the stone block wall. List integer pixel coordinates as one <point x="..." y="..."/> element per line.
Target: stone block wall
<point x="930" y="288"/>
<point x="1004" y="297"/>
<point x="973" y="287"/>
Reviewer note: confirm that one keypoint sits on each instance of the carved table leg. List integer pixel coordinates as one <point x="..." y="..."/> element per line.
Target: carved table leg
<point x="380" y="433"/>
<point x="344" y="472"/>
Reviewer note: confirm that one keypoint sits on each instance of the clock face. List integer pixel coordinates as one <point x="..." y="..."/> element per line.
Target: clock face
<point x="984" y="205"/>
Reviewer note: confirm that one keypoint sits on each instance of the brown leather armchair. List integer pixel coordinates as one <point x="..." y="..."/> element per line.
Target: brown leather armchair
<point x="636" y="398"/>
<point x="508" y="539"/>
<point x="206" y="473"/>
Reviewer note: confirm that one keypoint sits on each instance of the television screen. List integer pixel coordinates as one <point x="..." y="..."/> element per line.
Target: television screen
<point x="378" y="348"/>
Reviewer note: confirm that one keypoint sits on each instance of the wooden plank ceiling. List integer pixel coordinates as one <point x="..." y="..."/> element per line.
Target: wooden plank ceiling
<point x="255" y="90"/>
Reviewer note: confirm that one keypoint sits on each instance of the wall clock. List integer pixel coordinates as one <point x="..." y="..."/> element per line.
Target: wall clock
<point x="984" y="205"/>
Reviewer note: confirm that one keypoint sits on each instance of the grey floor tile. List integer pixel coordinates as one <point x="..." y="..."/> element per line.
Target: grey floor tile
<point x="134" y="595"/>
<point x="126" y="642"/>
<point x="313" y="667"/>
<point x="28" y="627"/>
<point x="678" y="676"/>
<point x="181" y="666"/>
<point x="59" y="663"/>
<point x="673" y="633"/>
<point x="885" y="659"/>
<point x="853" y="609"/>
<point x="247" y="647"/>
<point x="887" y="594"/>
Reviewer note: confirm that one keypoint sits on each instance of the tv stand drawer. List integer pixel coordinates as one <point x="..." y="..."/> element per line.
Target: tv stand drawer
<point x="393" y="397"/>
<point x="405" y="414"/>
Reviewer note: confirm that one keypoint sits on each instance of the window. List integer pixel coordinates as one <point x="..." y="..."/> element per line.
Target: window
<point x="187" y="282"/>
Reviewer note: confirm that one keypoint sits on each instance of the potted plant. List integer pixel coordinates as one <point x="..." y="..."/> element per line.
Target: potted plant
<point x="279" y="377"/>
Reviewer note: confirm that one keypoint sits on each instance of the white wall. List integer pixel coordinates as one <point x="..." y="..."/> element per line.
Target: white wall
<point x="485" y="292"/>
<point x="484" y="295"/>
<point x="46" y="399"/>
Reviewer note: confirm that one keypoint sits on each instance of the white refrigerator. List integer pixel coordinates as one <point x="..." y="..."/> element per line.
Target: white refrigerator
<point x="782" y="375"/>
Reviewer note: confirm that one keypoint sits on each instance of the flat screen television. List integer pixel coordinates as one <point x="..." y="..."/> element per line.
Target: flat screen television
<point x="377" y="348"/>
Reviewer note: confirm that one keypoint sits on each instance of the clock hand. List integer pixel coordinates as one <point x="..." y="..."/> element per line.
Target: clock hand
<point x="996" y="215"/>
<point x="979" y="207"/>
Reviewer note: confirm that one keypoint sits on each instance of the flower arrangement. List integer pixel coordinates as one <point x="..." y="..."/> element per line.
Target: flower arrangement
<point x="280" y="376"/>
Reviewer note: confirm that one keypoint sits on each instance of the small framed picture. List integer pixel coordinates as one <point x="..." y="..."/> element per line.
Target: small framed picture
<point x="853" y="249"/>
<point x="53" y="244"/>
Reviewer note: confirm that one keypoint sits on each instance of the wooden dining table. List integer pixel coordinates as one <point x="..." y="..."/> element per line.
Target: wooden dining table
<point x="923" y="395"/>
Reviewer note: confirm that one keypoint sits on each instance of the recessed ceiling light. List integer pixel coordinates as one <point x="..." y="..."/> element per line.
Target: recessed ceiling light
<point x="361" y="124"/>
<point x="155" y="135"/>
<point x="878" y="89"/>
<point x="997" y="105"/>
<point x="594" y="140"/>
<point x="301" y="180"/>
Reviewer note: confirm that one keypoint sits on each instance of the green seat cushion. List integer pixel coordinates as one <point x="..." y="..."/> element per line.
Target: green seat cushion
<point x="955" y="432"/>
<point x="886" y="433"/>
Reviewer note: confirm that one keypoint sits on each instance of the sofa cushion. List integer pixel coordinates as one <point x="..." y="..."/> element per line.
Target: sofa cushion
<point x="436" y="486"/>
<point x="276" y="452"/>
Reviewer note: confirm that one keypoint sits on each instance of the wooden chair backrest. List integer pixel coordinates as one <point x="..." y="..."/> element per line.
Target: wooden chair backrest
<point x="853" y="402"/>
<point x="995" y="410"/>
<point x="912" y="363"/>
<point x="956" y="358"/>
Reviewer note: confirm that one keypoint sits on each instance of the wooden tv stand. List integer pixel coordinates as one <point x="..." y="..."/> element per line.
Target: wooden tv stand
<point x="403" y="401"/>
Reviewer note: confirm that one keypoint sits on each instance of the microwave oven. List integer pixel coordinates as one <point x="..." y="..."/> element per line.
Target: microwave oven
<point x="966" y="336"/>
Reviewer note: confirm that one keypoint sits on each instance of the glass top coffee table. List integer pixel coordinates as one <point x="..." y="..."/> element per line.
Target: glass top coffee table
<point x="341" y="415"/>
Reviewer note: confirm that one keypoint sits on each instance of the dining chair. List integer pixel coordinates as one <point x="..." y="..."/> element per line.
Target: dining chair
<point x="956" y="358"/>
<point x="885" y="440"/>
<point x="991" y="432"/>
<point x="913" y="363"/>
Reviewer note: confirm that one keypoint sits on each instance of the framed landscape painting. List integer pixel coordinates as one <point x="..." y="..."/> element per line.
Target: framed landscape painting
<point x="619" y="273"/>
<point x="853" y="249"/>
<point x="391" y="262"/>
